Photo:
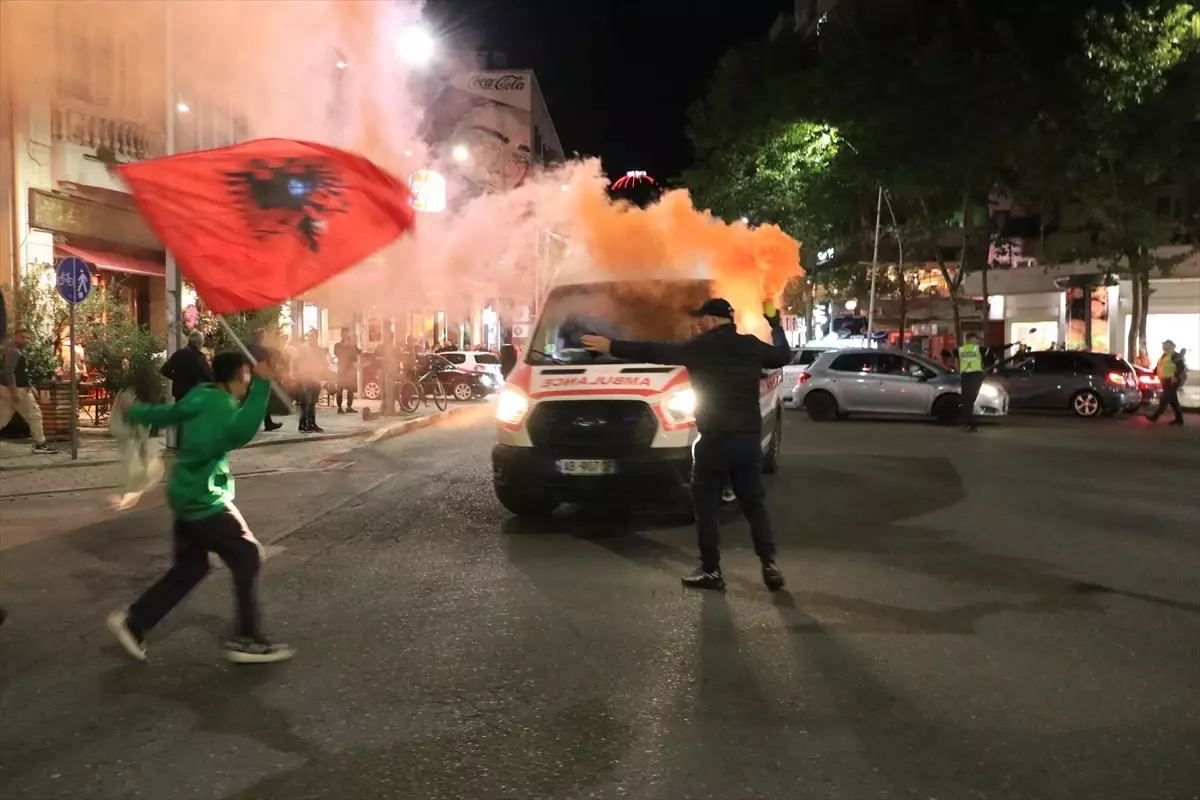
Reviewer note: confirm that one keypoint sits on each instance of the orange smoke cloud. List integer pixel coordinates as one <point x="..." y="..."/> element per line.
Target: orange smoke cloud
<point x="749" y="265"/>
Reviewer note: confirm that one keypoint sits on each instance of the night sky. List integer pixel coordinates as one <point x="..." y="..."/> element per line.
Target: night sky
<point x="618" y="76"/>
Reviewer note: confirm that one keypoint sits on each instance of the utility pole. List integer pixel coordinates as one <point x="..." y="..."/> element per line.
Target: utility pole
<point x="874" y="267"/>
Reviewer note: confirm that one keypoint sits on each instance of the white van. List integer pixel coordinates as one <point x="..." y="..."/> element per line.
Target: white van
<point x="574" y="424"/>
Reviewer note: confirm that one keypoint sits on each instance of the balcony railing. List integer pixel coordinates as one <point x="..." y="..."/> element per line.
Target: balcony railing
<point x="93" y="128"/>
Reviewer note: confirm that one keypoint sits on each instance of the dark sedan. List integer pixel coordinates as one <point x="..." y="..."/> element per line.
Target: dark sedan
<point x="1087" y="384"/>
<point x="459" y="384"/>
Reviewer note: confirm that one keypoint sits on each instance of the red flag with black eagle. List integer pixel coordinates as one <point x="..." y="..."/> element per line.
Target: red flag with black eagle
<point x="258" y="223"/>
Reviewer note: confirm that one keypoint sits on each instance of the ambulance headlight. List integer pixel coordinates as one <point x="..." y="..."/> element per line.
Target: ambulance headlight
<point x="511" y="408"/>
<point x="680" y="407"/>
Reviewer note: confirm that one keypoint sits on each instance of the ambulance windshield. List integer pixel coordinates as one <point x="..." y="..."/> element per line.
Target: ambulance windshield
<point x="640" y="310"/>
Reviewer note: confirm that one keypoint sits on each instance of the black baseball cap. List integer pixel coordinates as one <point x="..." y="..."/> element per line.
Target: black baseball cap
<point x="716" y="307"/>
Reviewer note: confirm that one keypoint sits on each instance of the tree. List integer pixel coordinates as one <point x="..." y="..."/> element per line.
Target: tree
<point x="1133" y="136"/>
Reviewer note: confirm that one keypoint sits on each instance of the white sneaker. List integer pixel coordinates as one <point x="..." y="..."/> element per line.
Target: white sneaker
<point x="256" y="651"/>
<point x="118" y="623"/>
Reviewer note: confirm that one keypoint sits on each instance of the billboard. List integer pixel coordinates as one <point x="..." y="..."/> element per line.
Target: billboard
<point x="488" y="114"/>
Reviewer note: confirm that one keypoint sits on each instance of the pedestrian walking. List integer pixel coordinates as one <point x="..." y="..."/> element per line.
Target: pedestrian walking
<point x="258" y="349"/>
<point x="1172" y="372"/>
<point x="200" y="494"/>
<point x="970" y="367"/>
<point x="347" y="352"/>
<point x="725" y="368"/>
<point x="17" y="395"/>
<point x="186" y="369"/>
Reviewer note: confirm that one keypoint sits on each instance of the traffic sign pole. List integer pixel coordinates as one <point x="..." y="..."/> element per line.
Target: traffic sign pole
<point x="74" y="280"/>
<point x="74" y="392"/>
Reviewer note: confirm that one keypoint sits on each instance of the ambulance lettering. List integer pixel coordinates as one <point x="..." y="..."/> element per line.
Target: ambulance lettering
<point x="602" y="380"/>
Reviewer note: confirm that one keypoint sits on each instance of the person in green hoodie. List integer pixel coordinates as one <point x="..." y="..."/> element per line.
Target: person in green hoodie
<point x="214" y="420"/>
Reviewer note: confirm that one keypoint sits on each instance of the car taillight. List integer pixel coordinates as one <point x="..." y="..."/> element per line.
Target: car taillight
<point x="804" y="377"/>
<point x="1149" y="380"/>
<point x="480" y="368"/>
<point x="1116" y="378"/>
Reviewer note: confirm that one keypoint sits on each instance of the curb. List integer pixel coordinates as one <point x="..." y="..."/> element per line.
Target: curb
<point x="372" y="435"/>
<point x="378" y="435"/>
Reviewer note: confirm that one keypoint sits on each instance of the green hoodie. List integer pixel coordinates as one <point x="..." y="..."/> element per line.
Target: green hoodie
<point x="212" y="425"/>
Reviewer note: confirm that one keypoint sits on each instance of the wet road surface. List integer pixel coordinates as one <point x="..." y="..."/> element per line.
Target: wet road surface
<point x="1015" y="614"/>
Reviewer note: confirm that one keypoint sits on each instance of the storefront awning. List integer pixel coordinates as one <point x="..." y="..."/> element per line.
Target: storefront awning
<point x="114" y="262"/>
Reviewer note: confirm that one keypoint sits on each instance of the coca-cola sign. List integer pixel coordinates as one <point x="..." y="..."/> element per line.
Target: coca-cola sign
<point x="497" y="83"/>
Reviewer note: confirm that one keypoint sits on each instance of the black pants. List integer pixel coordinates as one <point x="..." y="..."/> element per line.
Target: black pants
<point x="971" y="382"/>
<point x="308" y="405"/>
<point x="225" y="534"/>
<point x="346" y="389"/>
<point x="719" y="460"/>
<point x="1170" y="398"/>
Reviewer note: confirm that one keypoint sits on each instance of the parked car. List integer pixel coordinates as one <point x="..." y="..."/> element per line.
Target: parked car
<point x="1087" y="384"/>
<point x="475" y="361"/>
<point x="1149" y="384"/>
<point x="878" y="381"/>
<point x="801" y="358"/>
<point x="460" y="384"/>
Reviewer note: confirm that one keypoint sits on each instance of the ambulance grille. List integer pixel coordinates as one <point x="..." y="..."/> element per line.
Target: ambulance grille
<point x="612" y="427"/>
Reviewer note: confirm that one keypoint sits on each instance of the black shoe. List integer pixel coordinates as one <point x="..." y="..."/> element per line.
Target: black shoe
<point x="971" y="429"/>
<point x="350" y="410"/>
<point x="341" y="410"/>
<point x="772" y="576"/>
<point x="44" y="449"/>
<point x="316" y="429"/>
<point x="705" y="579"/>
<point x="272" y="426"/>
<point x="256" y="651"/>
<point x="1177" y="421"/>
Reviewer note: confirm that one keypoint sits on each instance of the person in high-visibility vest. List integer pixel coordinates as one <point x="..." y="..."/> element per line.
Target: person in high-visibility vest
<point x="1172" y="372"/>
<point x="970" y="366"/>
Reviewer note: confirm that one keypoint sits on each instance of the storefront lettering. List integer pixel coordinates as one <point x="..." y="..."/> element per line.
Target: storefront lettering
<point x="502" y="83"/>
<point x="79" y="217"/>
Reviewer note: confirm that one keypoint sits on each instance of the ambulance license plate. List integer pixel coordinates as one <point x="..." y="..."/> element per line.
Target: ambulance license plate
<point x="586" y="466"/>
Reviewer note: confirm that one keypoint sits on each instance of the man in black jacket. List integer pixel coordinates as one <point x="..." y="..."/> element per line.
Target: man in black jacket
<point x="186" y="369"/>
<point x="725" y="368"/>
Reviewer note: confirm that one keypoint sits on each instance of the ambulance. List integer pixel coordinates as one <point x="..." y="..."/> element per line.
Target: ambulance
<point x="574" y="425"/>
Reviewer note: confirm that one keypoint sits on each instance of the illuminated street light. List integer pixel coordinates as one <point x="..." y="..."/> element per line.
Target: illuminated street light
<point x="851" y="305"/>
<point x="182" y="107"/>
<point x="460" y="153"/>
<point x="566" y="188"/>
<point x="745" y="220"/>
<point x="416" y="45"/>
<point x="340" y="65"/>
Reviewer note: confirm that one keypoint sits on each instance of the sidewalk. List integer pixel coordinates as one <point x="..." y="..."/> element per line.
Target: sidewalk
<point x="22" y="473"/>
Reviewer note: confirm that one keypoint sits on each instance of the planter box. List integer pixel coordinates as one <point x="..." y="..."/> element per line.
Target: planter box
<point x="55" y="401"/>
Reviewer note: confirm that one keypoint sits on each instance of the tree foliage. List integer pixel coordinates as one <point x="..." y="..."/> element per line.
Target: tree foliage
<point x="1081" y="104"/>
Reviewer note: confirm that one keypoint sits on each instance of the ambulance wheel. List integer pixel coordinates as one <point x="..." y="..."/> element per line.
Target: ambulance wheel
<point x="525" y="503"/>
<point x="771" y="458"/>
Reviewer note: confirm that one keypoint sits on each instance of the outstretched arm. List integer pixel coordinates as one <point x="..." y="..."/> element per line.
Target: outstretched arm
<point x="778" y="353"/>
<point x="244" y="424"/>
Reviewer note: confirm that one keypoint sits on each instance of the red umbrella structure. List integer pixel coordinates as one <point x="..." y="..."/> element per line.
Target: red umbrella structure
<point x="631" y="179"/>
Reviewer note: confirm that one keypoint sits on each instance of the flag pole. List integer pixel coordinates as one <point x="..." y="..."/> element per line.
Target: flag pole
<point x="174" y="284"/>
<point x="275" y="387"/>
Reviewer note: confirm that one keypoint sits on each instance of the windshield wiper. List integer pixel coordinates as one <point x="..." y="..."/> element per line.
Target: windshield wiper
<point x="545" y="356"/>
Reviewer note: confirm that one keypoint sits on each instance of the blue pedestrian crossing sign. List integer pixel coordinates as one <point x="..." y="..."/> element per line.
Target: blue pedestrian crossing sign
<point x="74" y="279"/>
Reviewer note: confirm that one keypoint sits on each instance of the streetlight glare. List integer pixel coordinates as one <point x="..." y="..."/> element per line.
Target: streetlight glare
<point x="566" y="188"/>
<point x="341" y="65"/>
<point x="182" y="108"/>
<point x="460" y="153"/>
<point x="416" y="45"/>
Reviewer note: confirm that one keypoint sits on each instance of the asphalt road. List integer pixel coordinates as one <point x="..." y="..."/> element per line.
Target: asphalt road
<point x="1010" y="615"/>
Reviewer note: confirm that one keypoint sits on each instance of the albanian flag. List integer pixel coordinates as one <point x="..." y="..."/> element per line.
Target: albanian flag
<point x="255" y="224"/>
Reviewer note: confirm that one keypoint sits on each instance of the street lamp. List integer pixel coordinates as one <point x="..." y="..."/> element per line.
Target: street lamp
<point x="182" y="107"/>
<point x="416" y="45"/>
<point x="460" y="153"/>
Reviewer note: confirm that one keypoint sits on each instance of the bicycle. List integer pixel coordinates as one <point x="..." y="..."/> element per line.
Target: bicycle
<point x="414" y="393"/>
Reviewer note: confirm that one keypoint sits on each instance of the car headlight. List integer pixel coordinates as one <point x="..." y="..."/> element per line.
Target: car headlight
<point x="486" y="379"/>
<point x="680" y="407"/>
<point x="987" y="390"/>
<point x="511" y="408"/>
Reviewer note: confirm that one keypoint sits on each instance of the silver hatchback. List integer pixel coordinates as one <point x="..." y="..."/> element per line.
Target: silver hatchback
<point x="862" y="381"/>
